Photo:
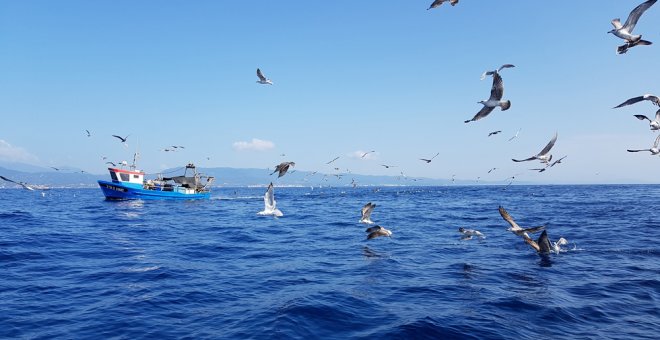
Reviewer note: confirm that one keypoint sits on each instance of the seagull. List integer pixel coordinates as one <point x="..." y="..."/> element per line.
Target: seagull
<point x="469" y="233"/>
<point x="388" y="166"/>
<point x="496" y="94"/>
<point x="263" y="79"/>
<point x="336" y="158"/>
<point x="178" y="147"/>
<point x="122" y="139"/>
<point x="543" y="155"/>
<point x="88" y="133"/>
<point x="625" y="31"/>
<point x="557" y="162"/>
<point x="366" y="213"/>
<point x="376" y="231"/>
<point x="366" y="153"/>
<point x="437" y="3"/>
<point x="652" y="98"/>
<point x="654" y="150"/>
<point x="429" y="160"/>
<point x="515" y="228"/>
<point x="491" y="170"/>
<point x="24" y="185"/>
<point x="654" y="124"/>
<point x="54" y="168"/>
<point x="111" y="163"/>
<point x="490" y="73"/>
<point x="516" y="135"/>
<point x="494" y="133"/>
<point x="282" y="168"/>
<point x="270" y="208"/>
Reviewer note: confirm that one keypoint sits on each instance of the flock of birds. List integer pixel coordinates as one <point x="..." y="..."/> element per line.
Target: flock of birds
<point x="542" y="245"/>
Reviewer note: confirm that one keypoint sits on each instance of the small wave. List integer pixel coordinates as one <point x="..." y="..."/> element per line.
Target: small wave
<point x="140" y="269"/>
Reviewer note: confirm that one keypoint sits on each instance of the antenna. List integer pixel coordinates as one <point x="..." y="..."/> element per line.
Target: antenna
<point x="136" y="155"/>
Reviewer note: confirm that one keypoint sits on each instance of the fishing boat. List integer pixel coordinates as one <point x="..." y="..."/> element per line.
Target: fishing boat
<point x="130" y="184"/>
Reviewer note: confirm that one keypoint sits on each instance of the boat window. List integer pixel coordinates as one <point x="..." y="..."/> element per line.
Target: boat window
<point x="114" y="176"/>
<point x="136" y="176"/>
<point x="124" y="177"/>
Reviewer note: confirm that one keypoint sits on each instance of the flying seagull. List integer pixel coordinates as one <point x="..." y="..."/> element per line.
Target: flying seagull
<point x="494" y="133"/>
<point x="469" y="233"/>
<point x="490" y="73"/>
<point x="557" y="162"/>
<point x="376" y="231"/>
<point x="654" y="124"/>
<point x="625" y="31"/>
<point x="543" y="155"/>
<point x="270" y="206"/>
<point x="654" y="150"/>
<point x="23" y="184"/>
<point x="653" y="99"/>
<point x="366" y="153"/>
<point x="429" y="160"/>
<point x="437" y="3"/>
<point x="336" y="158"/>
<point x="516" y="135"/>
<point x="54" y="168"/>
<point x="111" y="163"/>
<point x="491" y="170"/>
<point x="282" y="168"/>
<point x="122" y="139"/>
<point x="263" y="79"/>
<point x="515" y="228"/>
<point x="388" y="166"/>
<point x="495" y="100"/>
<point x="366" y="213"/>
<point x="88" y="133"/>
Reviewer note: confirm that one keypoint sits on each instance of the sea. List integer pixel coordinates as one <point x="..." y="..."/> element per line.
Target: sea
<point x="75" y="266"/>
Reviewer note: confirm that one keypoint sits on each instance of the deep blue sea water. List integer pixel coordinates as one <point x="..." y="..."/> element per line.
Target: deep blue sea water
<point x="76" y="266"/>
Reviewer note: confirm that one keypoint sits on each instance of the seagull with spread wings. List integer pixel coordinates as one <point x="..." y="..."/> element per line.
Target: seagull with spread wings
<point x="653" y="124"/>
<point x="495" y="100"/>
<point x="515" y="228"/>
<point x="437" y="3"/>
<point x="625" y="31"/>
<point x="366" y="213"/>
<point x="282" y="168"/>
<point x="428" y="160"/>
<point x="490" y="73"/>
<point x="652" y="98"/>
<point x="263" y="79"/>
<point x="543" y="156"/>
<point x="653" y="150"/>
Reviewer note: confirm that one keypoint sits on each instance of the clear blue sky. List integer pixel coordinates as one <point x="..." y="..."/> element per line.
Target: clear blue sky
<point x="349" y="76"/>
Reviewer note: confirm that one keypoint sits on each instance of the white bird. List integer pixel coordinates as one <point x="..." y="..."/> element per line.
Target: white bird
<point x="469" y="233"/>
<point x="377" y="231"/>
<point x="543" y="156"/>
<point x="263" y="79"/>
<point x="515" y="228"/>
<point x="556" y="246"/>
<point x="516" y="135"/>
<point x="653" y="124"/>
<point x="22" y="184"/>
<point x="437" y="3"/>
<point x="366" y="213"/>
<point x="652" y="98"/>
<point x="495" y="100"/>
<point x="490" y="73"/>
<point x="654" y="150"/>
<point x="625" y="31"/>
<point x="270" y="206"/>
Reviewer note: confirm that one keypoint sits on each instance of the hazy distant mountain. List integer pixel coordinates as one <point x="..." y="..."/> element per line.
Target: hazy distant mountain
<point x="224" y="177"/>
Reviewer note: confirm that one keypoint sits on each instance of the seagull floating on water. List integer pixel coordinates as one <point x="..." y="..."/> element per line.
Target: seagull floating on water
<point x="653" y="124"/>
<point x="366" y="213"/>
<point x="263" y="79"/>
<point x="495" y="100"/>
<point x="437" y="3"/>
<point x="270" y="206"/>
<point x="543" y="155"/>
<point x="490" y="73"/>
<point x="282" y="168"/>
<point x="625" y="31"/>
<point x="652" y="98"/>
<point x="654" y="150"/>
<point x="377" y="231"/>
<point x="469" y="233"/>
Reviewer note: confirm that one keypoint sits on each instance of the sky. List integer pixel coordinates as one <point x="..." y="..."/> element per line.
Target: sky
<point x="349" y="77"/>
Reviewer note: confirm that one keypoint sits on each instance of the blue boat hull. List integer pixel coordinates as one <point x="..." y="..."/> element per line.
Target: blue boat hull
<point x="119" y="191"/>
